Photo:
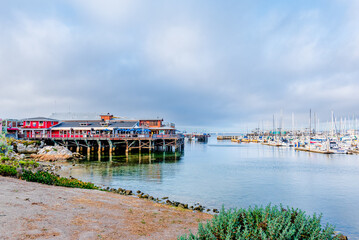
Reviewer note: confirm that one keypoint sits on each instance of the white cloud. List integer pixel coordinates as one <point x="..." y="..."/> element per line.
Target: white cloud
<point x="111" y="12"/>
<point x="180" y="52"/>
<point x="33" y="54"/>
<point x="34" y="46"/>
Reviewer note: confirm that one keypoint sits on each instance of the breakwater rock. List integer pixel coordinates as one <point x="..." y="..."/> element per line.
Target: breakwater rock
<point x="197" y="207"/>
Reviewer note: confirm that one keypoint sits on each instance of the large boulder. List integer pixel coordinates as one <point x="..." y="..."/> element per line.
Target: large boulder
<point x="16" y="156"/>
<point x="53" y="153"/>
<point x="22" y="148"/>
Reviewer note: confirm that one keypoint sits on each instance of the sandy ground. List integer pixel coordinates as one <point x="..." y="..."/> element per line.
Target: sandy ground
<point x="37" y="211"/>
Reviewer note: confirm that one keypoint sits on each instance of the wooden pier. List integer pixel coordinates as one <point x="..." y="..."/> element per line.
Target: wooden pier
<point x="115" y="143"/>
<point x="227" y="137"/>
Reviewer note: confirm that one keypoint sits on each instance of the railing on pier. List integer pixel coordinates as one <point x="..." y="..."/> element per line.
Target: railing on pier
<point x="102" y="136"/>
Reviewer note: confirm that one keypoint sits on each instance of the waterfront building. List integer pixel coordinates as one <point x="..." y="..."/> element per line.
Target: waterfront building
<point x="107" y="132"/>
<point x="38" y="126"/>
<point x="107" y="124"/>
<point x="10" y="127"/>
<point x="91" y="128"/>
<point x="157" y="126"/>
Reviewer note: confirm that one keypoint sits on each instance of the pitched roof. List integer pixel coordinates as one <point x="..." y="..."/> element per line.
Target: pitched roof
<point x="40" y="119"/>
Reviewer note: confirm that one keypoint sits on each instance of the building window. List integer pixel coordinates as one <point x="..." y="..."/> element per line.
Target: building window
<point x="41" y="123"/>
<point x="27" y="123"/>
<point x="34" y="124"/>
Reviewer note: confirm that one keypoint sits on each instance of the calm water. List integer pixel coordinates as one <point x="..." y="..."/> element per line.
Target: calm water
<point x="240" y="175"/>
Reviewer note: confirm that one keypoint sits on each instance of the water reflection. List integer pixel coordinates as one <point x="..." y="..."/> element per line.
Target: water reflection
<point x="108" y="169"/>
<point x="134" y="158"/>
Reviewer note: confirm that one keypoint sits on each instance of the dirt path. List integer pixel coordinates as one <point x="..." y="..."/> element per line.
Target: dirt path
<point x="37" y="211"/>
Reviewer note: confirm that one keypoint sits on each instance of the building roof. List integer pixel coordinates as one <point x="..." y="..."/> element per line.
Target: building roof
<point x="75" y="116"/>
<point x="162" y="128"/>
<point x="151" y="119"/>
<point x="96" y="125"/>
<point x="40" y="119"/>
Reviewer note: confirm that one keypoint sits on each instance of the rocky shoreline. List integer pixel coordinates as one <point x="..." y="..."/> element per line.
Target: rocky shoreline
<point x="63" y="169"/>
<point x="163" y="200"/>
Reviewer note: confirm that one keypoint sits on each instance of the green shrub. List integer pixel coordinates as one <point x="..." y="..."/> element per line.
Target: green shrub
<point x="21" y="162"/>
<point x="28" y="164"/>
<point x="6" y="170"/>
<point x="51" y="179"/>
<point x="263" y="223"/>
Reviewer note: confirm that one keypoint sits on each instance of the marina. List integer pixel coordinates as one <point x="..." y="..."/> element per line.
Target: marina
<point x="335" y="138"/>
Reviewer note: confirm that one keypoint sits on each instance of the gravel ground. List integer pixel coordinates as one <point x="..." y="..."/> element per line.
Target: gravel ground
<point x="37" y="211"/>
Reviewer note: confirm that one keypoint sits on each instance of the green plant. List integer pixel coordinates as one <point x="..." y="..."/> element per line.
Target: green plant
<point x="29" y="164"/>
<point x="271" y="222"/>
<point x="21" y="162"/>
<point x="6" y="170"/>
<point x="51" y="179"/>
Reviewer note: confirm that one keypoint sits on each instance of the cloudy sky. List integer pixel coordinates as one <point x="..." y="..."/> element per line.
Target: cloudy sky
<point x="202" y="64"/>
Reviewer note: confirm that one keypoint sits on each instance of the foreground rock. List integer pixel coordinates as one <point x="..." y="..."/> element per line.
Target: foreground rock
<point x="27" y="149"/>
<point x="16" y="156"/>
<point x="37" y="211"/>
<point x="53" y="153"/>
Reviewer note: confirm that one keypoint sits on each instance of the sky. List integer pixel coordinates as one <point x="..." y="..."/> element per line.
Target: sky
<point x="205" y="65"/>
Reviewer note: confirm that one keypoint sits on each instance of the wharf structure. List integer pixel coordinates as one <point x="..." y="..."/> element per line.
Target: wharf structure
<point x="107" y="134"/>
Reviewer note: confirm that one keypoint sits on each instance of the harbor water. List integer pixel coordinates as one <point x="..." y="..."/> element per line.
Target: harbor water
<point x="223" y="173"/>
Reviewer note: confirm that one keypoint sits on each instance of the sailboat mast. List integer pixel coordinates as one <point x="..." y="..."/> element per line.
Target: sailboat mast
<point x="273" y="127"/>
<point x="315" y="124"/>
<point x="292" y="123"/>
<point x="332" y="124"/>
<point x="310" y="123"/>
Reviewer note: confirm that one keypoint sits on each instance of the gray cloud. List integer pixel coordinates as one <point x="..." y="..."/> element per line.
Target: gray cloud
<point x="202" y="64"/>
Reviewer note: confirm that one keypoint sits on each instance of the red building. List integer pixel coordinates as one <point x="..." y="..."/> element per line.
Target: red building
<point x="157" y="126"/>
<point x="37" y="126"/>
<point x="156" y="123"/>
<point x="106" y="117"/>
